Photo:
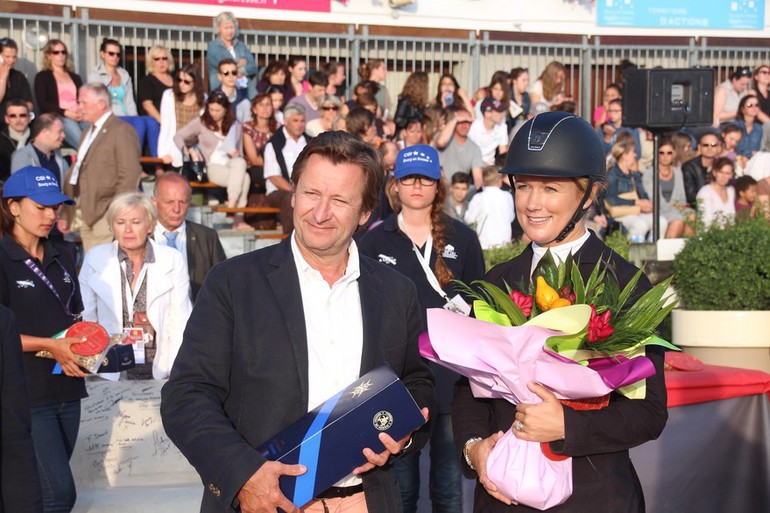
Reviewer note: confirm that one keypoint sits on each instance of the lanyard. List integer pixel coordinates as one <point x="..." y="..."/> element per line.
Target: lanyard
<point x="39" y="273"/>
<point x="424" y="260"/>
<point x="133" y="294"/>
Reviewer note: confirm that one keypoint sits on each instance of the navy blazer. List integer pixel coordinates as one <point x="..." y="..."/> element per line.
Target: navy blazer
<point x="204" y="251"/>
<point x="241" y="375"/>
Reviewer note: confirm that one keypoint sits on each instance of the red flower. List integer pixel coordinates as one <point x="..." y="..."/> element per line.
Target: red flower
<point x="566" y="293"/>
<point x="523" y="302"/>
<point x="599" y="327"/>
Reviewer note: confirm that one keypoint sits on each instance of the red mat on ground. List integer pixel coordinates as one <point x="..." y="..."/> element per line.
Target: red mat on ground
<point x="714" y="383"/>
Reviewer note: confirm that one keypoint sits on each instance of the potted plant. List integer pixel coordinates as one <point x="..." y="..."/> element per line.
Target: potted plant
<point x="722" y="278"/>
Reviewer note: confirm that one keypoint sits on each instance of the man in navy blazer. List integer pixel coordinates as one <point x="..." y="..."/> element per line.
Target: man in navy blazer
<point x="275" y="330"/>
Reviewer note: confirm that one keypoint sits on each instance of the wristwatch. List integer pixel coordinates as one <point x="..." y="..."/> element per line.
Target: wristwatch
<point x="470" y="442"/>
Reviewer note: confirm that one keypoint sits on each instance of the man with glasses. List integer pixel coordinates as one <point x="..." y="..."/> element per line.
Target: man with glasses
<point x="13" y="84"/>
<point x="14" y="135"/>
<point x="228" y="78"/>
<point x="696" y="169"/>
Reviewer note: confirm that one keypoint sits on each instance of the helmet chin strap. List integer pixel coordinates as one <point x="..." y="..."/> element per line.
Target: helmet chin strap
<point x="579" y="213"/>
<point x="576" y="217"/>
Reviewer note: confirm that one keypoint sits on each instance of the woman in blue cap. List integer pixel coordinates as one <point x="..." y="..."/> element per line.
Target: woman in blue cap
<point x="556" y="165"/>
<point x="431" y="248"/>
<point x="38" y="282"/>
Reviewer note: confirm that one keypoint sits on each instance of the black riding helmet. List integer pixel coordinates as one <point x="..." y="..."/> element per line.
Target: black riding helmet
<point x="557" y="144"/>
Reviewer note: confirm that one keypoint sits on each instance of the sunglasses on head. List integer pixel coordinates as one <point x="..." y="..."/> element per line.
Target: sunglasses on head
<point x="58" y="52"/>
<point x="156" y="59"/>
<point x="227" y="73"/>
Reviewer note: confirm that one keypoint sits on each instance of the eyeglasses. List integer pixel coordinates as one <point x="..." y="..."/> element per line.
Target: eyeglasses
<point x="184" y="81"/>
<point x="751" y="105"/>
<point x="411" y="179"/>
<point x="707" y="145"/>
<point x="330" y="107"/>
<point x="58" y="52"/>
<point x="665" y="153"/>
<point x="156" y="59"/>
<point x="614" y="111"/>
<point x="763" y="72"/>
<point x="113" y="54"/>
<point x="18" y="116"/>
<point x="227" y="73"/>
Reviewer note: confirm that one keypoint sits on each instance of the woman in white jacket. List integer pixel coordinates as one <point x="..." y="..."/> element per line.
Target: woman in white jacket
<point x="135" y="282"/>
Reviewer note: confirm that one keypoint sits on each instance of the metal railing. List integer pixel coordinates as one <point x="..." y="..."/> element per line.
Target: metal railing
<point x="590" y="64"/>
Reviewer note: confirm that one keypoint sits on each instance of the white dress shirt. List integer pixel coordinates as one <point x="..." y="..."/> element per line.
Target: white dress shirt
<point x="291" y="151"/>
<point x="334" y="328"/>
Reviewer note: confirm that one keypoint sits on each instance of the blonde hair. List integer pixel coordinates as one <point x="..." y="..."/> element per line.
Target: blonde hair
<point x="48" y="48"/>
<point x="155" y="51"/>
<point x="129" y="200"/>
<point x="491" y="176"/>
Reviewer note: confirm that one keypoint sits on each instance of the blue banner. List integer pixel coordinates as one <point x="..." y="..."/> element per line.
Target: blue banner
<point x="682" y="14"/>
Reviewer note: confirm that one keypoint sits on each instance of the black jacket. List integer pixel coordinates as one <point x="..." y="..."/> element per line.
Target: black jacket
<point x="694" y="174"/>
<point x="20" y="492"/>
<point x="604" y="480"/>
<point x="241" y="375"/>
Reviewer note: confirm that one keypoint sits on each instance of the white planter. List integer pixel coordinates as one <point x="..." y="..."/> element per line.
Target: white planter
<point x="730" y="338"/>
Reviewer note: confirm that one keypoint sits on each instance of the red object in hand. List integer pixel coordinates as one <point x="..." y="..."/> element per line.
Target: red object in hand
<point x="96" y="337"/>
<point x="523" y="302"/>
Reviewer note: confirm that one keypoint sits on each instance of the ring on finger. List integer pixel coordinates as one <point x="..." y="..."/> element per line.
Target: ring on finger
<point x="518" y="426"/>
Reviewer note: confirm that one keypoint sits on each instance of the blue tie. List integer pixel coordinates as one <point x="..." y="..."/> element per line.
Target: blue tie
<point x="171" y="239"/>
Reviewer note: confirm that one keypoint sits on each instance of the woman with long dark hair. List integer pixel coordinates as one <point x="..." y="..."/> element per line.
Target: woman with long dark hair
<point x="38" y="281"/>
<point x="450" y="93"/>
<point x="178" y="106"/>
<point x="422" y="242"/>
<point x="412" y="101"/>
<point x="219" y="143"/>
<point x="257" y="133"/>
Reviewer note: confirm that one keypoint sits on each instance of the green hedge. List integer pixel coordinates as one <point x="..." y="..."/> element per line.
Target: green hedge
<point x="726" y="269"/>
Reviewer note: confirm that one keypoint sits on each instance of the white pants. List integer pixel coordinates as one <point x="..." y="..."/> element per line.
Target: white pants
<point x="233" y="176"/>
<point x="638" y="225"/>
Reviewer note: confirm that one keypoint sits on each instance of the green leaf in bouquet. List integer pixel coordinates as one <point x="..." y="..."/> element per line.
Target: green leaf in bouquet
<point x="578" y="287"/>
<point x="484" y="312"/>
<point x="629" y="289"/>
<point x="548" y="269"/>
<point x="501" y="302"/>
<point x="570" y="320"/>
<point x="561" y="343"/>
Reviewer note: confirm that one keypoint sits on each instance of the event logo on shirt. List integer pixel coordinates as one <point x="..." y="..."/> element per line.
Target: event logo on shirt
<point x="385" y="259"/>
<point x="25" y="284"/>
<point x="449" y="252"/>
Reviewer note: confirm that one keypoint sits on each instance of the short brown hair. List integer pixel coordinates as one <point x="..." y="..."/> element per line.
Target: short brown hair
<point x="342" y="148"/>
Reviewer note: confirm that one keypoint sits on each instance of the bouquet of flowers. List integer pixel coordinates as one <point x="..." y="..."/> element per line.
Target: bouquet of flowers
<point x="578" y="338"/>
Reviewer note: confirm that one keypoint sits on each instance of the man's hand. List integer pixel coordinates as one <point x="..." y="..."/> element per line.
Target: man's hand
<point x="261" y="493"/>
<point x="391" y="447"/>
<point x="478" y="453"/>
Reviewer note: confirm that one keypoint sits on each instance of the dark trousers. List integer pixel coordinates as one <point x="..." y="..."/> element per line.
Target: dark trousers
<point x="445" y="477"/>
<point x="54" y="433"/>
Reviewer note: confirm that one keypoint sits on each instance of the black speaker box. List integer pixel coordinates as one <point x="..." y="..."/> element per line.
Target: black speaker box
<point x="668" y="98"/>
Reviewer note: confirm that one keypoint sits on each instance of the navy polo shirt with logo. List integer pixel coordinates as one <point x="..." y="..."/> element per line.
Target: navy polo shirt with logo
<point x="387" y="244"/>
<point x="39" y="313"/>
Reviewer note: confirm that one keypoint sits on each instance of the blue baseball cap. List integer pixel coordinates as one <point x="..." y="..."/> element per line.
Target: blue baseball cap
<point x="419" y="159"/>
<point x="37" y="184"/>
